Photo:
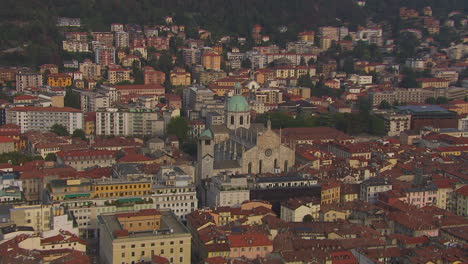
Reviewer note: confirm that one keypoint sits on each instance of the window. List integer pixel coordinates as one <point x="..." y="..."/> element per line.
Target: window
<point x="232" y="120"/>
<point x="181" y="259"/>
<point x="241" y="120"/>
<point x="181" y="250"/>
<point x="133" y="245"/>
<point x="123" y="255"/>
<point x="133" y="254"/>
<point x="172" y="250"/>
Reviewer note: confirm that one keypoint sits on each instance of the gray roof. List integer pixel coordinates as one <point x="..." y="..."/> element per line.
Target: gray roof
<point x="226" y="164"/>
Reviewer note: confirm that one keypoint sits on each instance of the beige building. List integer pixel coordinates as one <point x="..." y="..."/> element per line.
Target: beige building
<point x="117" y="74"/>
<point x="82" y="159"/>
<point x="128" y="122"/>
<point x="227" y="191"/>
<point x="90" y="70"/>
<point x="396" y="123"/>
<point x="36" y="216"/>
<point x="138" y="236"/>
<point x="180" y="77"/>
<point x="294" y="210"/>
<point x="27" y="79"/>
<point x="6" y="144"/>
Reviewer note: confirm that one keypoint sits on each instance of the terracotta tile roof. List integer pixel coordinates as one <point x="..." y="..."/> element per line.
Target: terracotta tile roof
<point x="44" y="109"/>
<point x="249" y="240"/>
<point x="88" y="154"/>
<point x="143" y="212"/>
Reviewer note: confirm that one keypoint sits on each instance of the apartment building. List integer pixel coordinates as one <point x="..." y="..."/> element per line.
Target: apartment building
<point x="75" y="46"/>
<point x="227" y="191"/>
<point x="138" y="236"/>
<point x="180" y="76"/>
<point x="118" y="74"/>
<point x="90" y="70"/>
<point x="92" y="101"/>
<point x="372" y="187"/>
<point x="151" y="76"/>
<point x="122" y="39"/>
<point x="174" y="189"/>
<point x="127" y="122"/>
<point x="43" y="118"/>
<point x="396" y="123"/>
<point x="104" y="56"/>
<point x="26" y="79"/>
<point x="83" y="159"/>
<point x="105" y="38"/>
<point x="59" y="80"/>
<point x="211" y="61"/>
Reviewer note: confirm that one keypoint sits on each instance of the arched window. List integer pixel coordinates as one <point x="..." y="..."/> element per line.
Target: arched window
<point x="276" y="163"/>
<point x="241" y="121"/>
<point x="285" y="166"/>
<point x="249" y="170"/>
<point x="232" y="120"/>
<point x="260" y="163"/>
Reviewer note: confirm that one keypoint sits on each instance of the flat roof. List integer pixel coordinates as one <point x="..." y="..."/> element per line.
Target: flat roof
<point x="421" y="108"/>
<point x="170" y="225"/>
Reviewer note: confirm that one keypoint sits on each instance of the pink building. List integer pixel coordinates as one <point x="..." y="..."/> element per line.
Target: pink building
<point x="250" y="246"/>
<point x="421" y="196"/>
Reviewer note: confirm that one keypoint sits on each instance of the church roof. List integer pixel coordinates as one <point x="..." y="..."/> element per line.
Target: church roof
<point x="237" y="103"/>
<point x="206" y="134"/>
<point x="226" y="164"/>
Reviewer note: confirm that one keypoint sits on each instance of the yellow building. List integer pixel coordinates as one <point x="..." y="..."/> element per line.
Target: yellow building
<point x="118" y="244"/>
<point x="113" y="189"/>
<point x="180" y="77"/>
<point x="211" y="61"/>
<point x="307" y="36"/>
<point x="333" y="215"/>
<point x="60" y="190"/>
<point x="59" y="80"/>
<point x="330" y="193"/>
<point x="35" y="216"/>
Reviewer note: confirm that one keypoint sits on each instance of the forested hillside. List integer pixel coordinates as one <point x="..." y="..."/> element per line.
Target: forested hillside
<point x="30" y="24"/>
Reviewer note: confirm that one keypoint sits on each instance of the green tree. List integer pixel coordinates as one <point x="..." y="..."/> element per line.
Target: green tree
<point x="51" y="157"/>
<point x="430" y="100"/>
<point x="442" y="100"/>
<point x="385" y="105"/>
<point x="178" y="126"/>
<point x="305" y="81"/>
<point x="79" y="133"/>
<point x="302" y="62"/>
<point x="246" y="64"/>
<point x="59" y="130"/>
<point x="72" y="99"/>
<point x="311" y="62"/>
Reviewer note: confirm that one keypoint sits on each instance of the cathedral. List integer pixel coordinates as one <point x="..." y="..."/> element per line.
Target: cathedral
<point x="240" y="147"/>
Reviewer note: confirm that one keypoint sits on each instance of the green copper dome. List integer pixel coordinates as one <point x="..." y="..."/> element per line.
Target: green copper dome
<point x="237" y="103"/>
<point x="207" y="134"/>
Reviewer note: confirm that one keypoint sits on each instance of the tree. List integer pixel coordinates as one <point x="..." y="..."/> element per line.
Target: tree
<point x="178" y="126"/>
<point x="302" y="62"/>
<point x="59" y="130"/>
<point x="246" y="64"/>
<point x="79" y="133"/>
<point x="311" y="62"/>
<point x="51" y="157"/>
<point x="442" y="100"/>
<point x="385" y="105"/>
<point x="305" y="81"/>
<point x="430" y="100"/>
<point x="72" y="99"/>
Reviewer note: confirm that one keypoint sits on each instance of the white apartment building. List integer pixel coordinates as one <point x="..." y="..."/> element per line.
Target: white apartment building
<point x="372" y="187"/>
<point x="127" y="122"/>
<point x="227" y="191"/>
<point x="43" y="118"/>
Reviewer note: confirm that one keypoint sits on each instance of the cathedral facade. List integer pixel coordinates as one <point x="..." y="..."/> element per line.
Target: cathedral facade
<point x="240" y="147"/>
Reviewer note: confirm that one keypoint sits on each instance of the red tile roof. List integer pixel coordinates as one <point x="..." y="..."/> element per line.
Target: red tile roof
<point x="44" y="109"/>
<point x="249" y="240"/>
<point x="4" y="139"/>
<point x="143" y="212"/>
<point x="89" y="153"/>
